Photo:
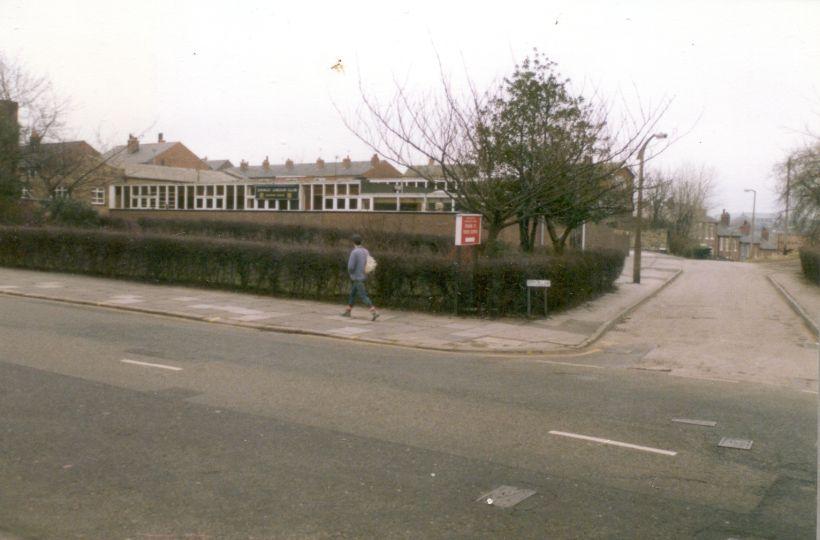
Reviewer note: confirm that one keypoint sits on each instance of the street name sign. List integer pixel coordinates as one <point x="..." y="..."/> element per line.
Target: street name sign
<point x="538" y="283"/>
<point x="468" y="229"/>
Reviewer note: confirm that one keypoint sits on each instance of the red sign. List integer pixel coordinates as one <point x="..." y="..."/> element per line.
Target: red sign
<point x="468" y="229"/>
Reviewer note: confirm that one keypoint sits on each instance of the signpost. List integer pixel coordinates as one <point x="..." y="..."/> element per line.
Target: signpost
<point x="468" y="233"/>
<point x="468" y="229"/>
<point x="537" y="284"/>
<point x="277" y="193"/>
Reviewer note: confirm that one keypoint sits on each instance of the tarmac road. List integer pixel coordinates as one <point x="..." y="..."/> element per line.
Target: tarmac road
<point x="123" y="425"/>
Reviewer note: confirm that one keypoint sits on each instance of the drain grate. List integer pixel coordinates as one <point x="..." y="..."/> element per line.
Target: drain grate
<point x="740" y="444"/>
<point x="506" y="496"/>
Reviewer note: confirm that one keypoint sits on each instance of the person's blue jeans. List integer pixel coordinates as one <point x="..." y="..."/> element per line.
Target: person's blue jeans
<point x="357" y="289"/>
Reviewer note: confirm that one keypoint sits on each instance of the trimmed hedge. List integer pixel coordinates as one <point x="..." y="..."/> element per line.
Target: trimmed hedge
<point x="487" y="287"/>
<point x="810" y="261"/>
<point x="289" y="234"/>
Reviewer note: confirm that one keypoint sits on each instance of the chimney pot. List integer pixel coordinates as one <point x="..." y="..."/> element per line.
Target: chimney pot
<point x="724" y="218"/>
<point x="133" y="144"/>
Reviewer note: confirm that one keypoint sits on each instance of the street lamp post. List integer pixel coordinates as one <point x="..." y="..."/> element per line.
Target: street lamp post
<point x="754" y="203"/>
<point x="636" y="263"/>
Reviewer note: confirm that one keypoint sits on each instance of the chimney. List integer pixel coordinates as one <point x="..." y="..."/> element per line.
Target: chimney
<point x="745" y="229"/>
<point x="374" y="160"/>
<point x="346" y="164"/>
<point x="266" y="164"/>
<point x="289" y="164"/>
<point x="320" y="164"/>
<point x="133" y="144"/>
<point x="35" y="138"/>
<point x="724" y="218"/>
<point x="764" y="234"/>
<point x="160" y="139"/>
<point x="243" y="165"/>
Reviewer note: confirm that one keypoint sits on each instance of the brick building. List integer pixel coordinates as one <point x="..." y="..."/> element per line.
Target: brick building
<point x="163" y="153"/>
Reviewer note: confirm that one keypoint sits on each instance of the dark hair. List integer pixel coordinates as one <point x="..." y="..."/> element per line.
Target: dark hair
<point x="356" y="239"/>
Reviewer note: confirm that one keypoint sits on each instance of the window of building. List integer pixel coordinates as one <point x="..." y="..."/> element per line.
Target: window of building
<point x="60" y="192"/>
<point x="98" y="196"/>
<point x="25" y="193"/>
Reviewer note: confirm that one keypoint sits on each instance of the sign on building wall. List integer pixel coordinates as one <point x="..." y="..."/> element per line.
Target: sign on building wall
<point x="468" y="229"/>
<point x="277" y="193"/>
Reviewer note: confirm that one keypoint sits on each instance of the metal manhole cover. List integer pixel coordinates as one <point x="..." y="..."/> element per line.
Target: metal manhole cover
<point x="740" y="444"/>
<point x="709" y="423"/>
<point x="506" y="496"/>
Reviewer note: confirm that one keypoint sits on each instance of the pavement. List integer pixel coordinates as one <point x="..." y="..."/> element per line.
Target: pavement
<point x="803" y="295"/>
<point x="570" y="330"/>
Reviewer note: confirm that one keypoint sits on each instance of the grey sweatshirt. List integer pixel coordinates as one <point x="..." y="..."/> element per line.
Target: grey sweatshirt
<point x="356" y="263"/>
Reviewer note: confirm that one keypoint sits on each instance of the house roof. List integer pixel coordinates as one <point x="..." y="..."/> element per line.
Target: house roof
<point x="219" y="164"/>
<point x="119" y="155"/>
<point x="424" y="171"/>
<point x="176" y="174"/>
<point x="723" y="230"/>
<point x="365" y="169"/>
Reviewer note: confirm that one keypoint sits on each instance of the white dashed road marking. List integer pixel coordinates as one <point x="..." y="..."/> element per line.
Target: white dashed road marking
<point x="148" y="364"/>
<point x="615" y="443"/>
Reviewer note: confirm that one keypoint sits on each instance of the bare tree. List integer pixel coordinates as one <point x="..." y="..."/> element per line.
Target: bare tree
<point x="522" y="151"/>
<point x="41" y="112"/>
<point x="800" y="190"/>
<point x="691" y="189"/>
<point x="657" y="190"/>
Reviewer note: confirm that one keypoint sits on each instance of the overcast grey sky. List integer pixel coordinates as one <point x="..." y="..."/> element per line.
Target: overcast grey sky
<point x="248" y="79"/>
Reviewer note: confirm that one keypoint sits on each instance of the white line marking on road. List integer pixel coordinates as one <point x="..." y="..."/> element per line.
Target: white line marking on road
<point x="615" y="443"/>
<point x="717" y="379"/>
<point x="568" y="364"/>
<point x="148" y="364"/>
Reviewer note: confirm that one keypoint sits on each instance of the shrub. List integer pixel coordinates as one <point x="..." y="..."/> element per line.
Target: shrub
<point x="65" y="211"/>
<point x="810" y="261"/>
<point x="487" y="287"/>
<point x="295" y="234"/>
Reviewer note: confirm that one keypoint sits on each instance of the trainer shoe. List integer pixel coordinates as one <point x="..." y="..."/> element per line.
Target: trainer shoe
<point x="345" y="314"/>
<point x="375" y="315"/>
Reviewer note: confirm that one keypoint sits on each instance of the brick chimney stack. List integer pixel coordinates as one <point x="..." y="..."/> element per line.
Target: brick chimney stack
<point x="764" y="234"/>
<point x="289" y="164"/>
<point x="243" y="165"/>
<point x="320" y="164"/>
<point x="266" y="164"/>
<point x="35" y="138"/>
<point x="160" y="139"/>
<point x="374" y="160"/>
<point x="724" y="218"/>
<point x="133" y="144"/>
<point x="346" y="163"/>
<point x="745" y="229"/>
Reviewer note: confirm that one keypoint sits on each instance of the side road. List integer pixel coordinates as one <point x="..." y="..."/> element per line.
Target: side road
<point x="571" y="330"/>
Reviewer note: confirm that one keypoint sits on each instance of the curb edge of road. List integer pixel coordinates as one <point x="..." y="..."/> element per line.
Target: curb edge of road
<point x="795" y="305"/>
<point x="605" y="327"/>
<point x="602" y="329"/>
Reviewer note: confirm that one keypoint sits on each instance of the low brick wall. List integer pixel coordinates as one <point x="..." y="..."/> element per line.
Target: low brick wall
<point x="438" y="224"/>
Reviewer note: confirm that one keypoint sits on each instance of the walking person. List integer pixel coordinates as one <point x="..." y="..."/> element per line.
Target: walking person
<point x="357" y="267"/>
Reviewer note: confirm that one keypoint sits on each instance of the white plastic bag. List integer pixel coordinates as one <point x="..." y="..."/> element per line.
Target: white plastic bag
<point x="370" y="265"/>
